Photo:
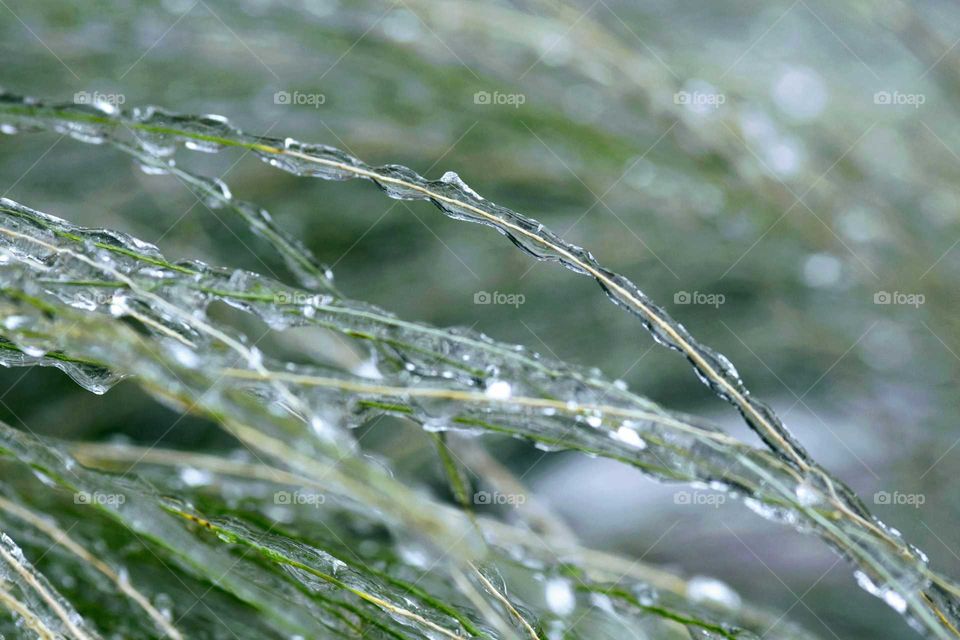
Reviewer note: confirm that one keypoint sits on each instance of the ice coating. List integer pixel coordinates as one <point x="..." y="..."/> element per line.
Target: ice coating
<point x="167" y="298"/>
<point x="210" y="134"/>
<point x="52" y="611"/>
<point x="136" y="273"/>
<point x="424" y="373"/>
<point x="407" y="605"/>
<point x="451" y="195"/>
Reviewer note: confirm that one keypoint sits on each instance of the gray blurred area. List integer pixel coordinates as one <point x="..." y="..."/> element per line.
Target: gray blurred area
<point x="782" y="176"/>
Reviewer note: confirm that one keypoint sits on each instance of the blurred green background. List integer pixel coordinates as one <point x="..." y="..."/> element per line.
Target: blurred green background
<point x="782" y="176"/>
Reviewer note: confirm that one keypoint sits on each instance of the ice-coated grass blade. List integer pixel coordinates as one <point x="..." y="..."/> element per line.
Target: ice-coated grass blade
<point x="787" y="486"/>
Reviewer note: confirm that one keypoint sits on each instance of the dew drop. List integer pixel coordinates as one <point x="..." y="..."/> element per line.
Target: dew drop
<point x="560" y="597"/>
<point x="499" y="390"/>
<point x="704" y="589"/>
<point x="118" y="305"/>
<point x="203" y="146"/>
<point x="629" y="436"/>
<point x="195" y="477"/>
<point x="807" y="494"/>
<point x="152" y="169"/>
<point x="451" y="177"/>
<point x="185" y="356"/>
<point x="33" y="351"/>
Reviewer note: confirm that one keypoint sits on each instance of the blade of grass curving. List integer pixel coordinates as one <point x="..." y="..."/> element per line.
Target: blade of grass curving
<point x="289" y="553"/>
<point x="450" y="194"/>
<point x="455" y="472"/>
<point x="151" y="157"/>
<point x="217" y="195"/>
<point x="599" y="568"/>
<point x="19" y="571"/>
<point x="390" y="398"/>
<point x="454" y="198"/>
<point x="503" y="600"/>
<point x="162" y="523"/>
<point x="59" y="536"/>
<point x="120" y="346"/>
<point x="670" y="455"/>
<point x="275" y="546"/>
<point x="31" y="620"/>
<point x="590" y="414"/>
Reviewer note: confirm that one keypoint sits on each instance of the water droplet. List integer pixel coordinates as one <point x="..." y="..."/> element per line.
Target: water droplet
<point x="193" y="477"/>
<point x="800" y="93"/>
<point x="807" y="494"/>
<point x="119" y="305"/>
<point x="499" y="390"/>
<point x="560" y="597"/>
<point x="702" y="588"/>
<point x="451" y="177"/>
<point x="629" y="436"/>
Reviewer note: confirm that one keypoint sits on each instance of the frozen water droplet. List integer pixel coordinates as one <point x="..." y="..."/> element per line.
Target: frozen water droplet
<point x="822" y="270"/>
<point x="807" y="494"/>
<point x="204" y="146"/>
<point x="16" y="322"/>
<point x="156" y="146"/>
<point x="319" y="426"/>
<point x="118" y="305"/>
<point x="414" y="555"/>
<point x="193" y="477"/>
<point x="800" y="93"/>
<point x="153" y="169"/>
<point x="451" y="177"/>
<point x="499" y="390"/>
<point x="603" y="602"/>
<point x="629" y="436"/>
<point x="560" y="597"/>
<point x="368" y="369"/>
<point x="702" y="588"/>
<point x="184" y="355"/>
<point x="645" y="594"/>
<point x="219" y="194"/>
<point x="255" y="358"/>
<point x="893" y="598"/>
